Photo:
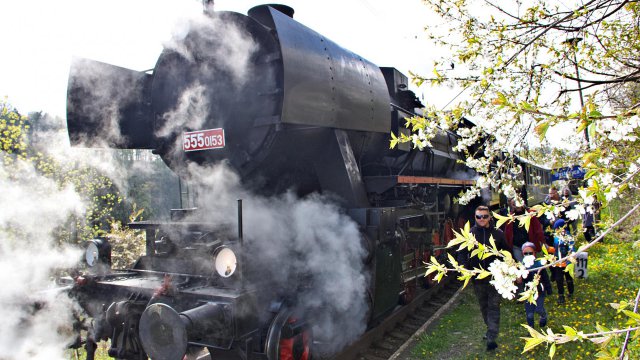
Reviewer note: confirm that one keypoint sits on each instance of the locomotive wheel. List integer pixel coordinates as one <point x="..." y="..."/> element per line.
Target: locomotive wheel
<point x="281" y="346"/>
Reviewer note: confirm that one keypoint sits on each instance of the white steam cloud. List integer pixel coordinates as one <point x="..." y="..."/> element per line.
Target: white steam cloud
<point x="35" y="321"/>
<point x="292" y="240"/>
<point x="191" y="112"/>
<point x="221" y="40"/>
<point x="105" y="90"/>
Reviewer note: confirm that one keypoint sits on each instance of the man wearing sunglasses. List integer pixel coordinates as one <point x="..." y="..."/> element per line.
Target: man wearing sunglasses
<point x="488" y="297"/>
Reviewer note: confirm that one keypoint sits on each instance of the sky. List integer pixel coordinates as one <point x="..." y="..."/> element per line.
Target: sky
<point x="40" y="37"/>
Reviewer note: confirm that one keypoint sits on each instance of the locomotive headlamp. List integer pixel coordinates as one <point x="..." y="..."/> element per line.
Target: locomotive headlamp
<point x="98" y="252"/>
<point x="225" y="261"/>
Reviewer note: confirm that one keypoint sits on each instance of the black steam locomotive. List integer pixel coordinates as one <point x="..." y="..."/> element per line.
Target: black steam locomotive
<point x="289" y="112"/>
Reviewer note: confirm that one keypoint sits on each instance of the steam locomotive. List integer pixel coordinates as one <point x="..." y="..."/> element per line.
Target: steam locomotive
<point x="290" y="112"/>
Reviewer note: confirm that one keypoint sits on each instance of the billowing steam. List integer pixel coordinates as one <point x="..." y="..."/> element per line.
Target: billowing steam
<point x="220" y="51"/>
<point x="104" y="92"/>
<point x="220" y="40"/>
<point x="35" y="321"/>
<point x="307" y="247"/>
<point x="191" y="111"/>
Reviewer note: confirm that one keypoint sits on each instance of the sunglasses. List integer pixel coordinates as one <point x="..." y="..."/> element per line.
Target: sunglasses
<point x="527" y="253"/>
<point x="482" y="217"/>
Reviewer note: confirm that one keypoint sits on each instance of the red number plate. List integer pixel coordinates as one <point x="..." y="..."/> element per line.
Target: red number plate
<point x="203" y="140"/>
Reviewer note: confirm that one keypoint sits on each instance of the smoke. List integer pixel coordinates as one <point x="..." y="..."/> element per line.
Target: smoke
<point x="220" y="40"/>
<point x="99" y="95"/>
<point x="191" y="112"/>
<point x="303" y="247"/>
<point x="214" y="66"/>
<point x="35" y="321"/>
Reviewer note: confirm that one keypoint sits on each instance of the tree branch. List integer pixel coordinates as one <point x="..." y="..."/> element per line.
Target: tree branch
<point x="626" y="339"/>
<point x="544" y="31"/>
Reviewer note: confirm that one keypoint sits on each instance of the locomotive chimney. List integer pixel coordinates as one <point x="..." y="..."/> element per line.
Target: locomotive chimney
<point x="287" y="10"/>
<point x="262" y="14"/>
<point x="207" y="7"/>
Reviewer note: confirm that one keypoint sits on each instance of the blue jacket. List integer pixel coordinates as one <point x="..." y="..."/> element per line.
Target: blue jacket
<point x="563" y="247"/>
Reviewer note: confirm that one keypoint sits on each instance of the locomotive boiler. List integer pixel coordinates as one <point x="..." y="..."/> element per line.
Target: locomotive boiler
<point x="289" y="111"/>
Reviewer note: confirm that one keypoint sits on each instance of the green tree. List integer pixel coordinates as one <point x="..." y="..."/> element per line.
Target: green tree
<point x="532" y="68"/>
<point x="98" y="190"/>
<point x="12" y="133"/>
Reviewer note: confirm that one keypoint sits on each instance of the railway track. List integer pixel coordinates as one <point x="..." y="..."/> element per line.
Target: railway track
<point x="389" y="339"/>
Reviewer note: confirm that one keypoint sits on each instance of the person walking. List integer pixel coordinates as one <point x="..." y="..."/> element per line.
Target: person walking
<point x="563" y="245"/>
<point x="569" y="204"/>
<point x="488" y="297"/>
<point x="547" y="219"/>
<point x="588" y="220"/>
<point x="517" y="235"/>
<point x="544" y="286"/>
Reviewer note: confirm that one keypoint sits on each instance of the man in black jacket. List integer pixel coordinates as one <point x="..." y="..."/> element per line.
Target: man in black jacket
<point x="488" y="296"/>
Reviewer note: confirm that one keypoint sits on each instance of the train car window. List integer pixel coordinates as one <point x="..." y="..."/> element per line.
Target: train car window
<point x="531" y="174"/>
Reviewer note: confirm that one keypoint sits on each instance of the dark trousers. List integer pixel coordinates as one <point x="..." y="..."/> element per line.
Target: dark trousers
<point x="489" y="300"/>
<point x="538" y="307"/>
<point x="559" y="275"/>
<point x="589" y="233"/>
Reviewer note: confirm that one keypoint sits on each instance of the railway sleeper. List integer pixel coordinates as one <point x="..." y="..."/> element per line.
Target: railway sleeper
<point x="400" y="335"/>
<point x="386" y="345"/>
<point x="372" y="357"/>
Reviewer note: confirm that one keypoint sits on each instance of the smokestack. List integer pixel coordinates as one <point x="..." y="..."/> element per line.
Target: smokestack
<point x="207" y="7"/>
<point x="262" y="13"/>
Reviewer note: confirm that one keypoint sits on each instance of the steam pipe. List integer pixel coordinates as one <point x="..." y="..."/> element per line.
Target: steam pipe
<point x="240" y="221"/>
<point x="240" y="258"/>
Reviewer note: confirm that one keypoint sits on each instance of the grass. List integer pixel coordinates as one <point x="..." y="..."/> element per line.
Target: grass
<point x="613" y="276"/>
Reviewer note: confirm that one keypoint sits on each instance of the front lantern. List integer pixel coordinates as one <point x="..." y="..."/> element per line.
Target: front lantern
<point x="98" y="253"/>
<point x="225" y="261"/>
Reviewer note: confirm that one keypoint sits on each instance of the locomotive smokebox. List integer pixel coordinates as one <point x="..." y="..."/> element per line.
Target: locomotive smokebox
<point x="165" y="333"/>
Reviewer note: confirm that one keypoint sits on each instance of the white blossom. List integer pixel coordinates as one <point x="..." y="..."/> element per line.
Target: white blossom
<point x="606" y="179"/>
<point x="611" y="194"/>
<point x="586" y="198"/>
<point x="469" y="195"/>
<point x="528" y="261"/>
<point x="574" y="213"/>
<point x="530" y="287"/>
<point x="509" y="191"/>
<point x="504" y="277"/>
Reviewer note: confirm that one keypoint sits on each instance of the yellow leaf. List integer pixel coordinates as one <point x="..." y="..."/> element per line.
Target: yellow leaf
<point x="394" y="141"/>
<point x="501" y="219"/>
<point x="532" y="343"/>
<point x="570" y="267"/>
<point x="525" y="221"/>
<point x="632" y="315"/>
<point x="541" y="129"/>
